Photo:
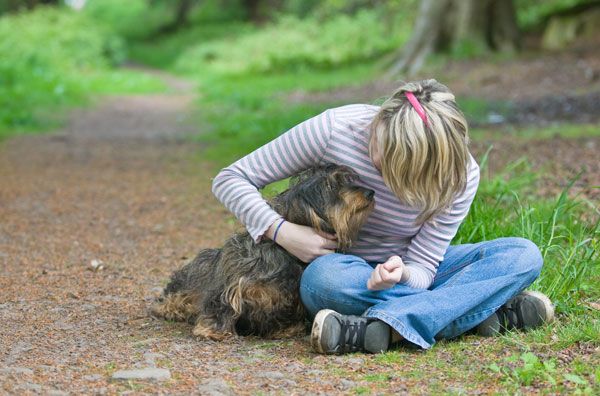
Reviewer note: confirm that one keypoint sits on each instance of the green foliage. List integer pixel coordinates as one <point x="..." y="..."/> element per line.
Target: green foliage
<point x="295" y="44"/>
<point x="132" y="18"/>
<point x="531" y="13"/>
<point x="51" y="57"/>
<point x="527" y="369"/>
<point x="532" y="369"/>
<point x="138" y="21"/>
<point x="245" y="111"/>
<point x="41" y="53"/>
<point x="568" y="240"/>
<point x="163" y="51"/>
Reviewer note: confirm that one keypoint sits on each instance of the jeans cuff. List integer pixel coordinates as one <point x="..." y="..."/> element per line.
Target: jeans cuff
<point x="405" y="331"/>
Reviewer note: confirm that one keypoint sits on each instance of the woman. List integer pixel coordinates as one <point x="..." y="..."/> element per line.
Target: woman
<point x="401" y="279"/>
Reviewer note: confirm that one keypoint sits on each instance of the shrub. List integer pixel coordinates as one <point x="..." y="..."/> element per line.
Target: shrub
<point x="292" y="43"/>
<point x="41" y="56"/>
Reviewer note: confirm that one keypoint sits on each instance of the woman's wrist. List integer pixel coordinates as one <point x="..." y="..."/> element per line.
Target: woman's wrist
<point x="274" y="231"/>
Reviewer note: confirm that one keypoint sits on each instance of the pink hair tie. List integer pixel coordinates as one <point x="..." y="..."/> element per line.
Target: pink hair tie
<point x="417" y="106"/>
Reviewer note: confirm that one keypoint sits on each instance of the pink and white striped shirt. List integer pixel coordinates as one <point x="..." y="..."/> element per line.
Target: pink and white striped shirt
<point x="341" y="136"/>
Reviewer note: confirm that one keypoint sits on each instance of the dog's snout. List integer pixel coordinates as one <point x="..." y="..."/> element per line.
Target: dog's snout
<point x="368" y="193"/>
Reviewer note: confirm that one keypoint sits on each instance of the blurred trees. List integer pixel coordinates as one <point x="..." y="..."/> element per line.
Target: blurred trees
<point x="182" y="10"/>
<point x="463" y="25"/>
<point x="15" y="5"/>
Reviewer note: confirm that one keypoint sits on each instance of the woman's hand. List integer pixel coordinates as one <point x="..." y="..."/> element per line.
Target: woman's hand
<point x="386" y="275"/>
<point x="305" y="243"/>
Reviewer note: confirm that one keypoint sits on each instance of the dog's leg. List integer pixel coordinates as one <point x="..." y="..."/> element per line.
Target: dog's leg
<point x="206" y="328"/>
<point x="265" y="310"/>
<point x="177" y="306"/>
<point x="295" y="330"/>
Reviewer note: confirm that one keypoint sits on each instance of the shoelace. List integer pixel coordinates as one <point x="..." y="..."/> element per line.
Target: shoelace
<point x="352" y="335"/>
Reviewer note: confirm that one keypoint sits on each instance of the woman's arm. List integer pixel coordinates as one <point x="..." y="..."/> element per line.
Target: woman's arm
<point x="237" y="185"/>
<point x="428" y="247"/>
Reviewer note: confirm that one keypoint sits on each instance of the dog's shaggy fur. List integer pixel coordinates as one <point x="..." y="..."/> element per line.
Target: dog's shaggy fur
<point x="249" y="288"/>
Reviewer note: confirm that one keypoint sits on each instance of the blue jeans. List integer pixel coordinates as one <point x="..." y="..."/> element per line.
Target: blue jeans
<point x="471" y="283"/>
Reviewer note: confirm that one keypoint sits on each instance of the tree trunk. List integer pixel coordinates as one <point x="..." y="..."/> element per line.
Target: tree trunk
<point x="182" y="12"/>
<point x="425" y="35"/>
<point x="252" y="8"/>
<point x="445" y="25"/>
<point x="260" y="11"/>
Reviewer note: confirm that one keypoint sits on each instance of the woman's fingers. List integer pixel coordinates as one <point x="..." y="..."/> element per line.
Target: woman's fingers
<point x="323" y="252"/>
<point x="374" y="282"/>
<point x="377" y="274"/>
<point x="392" y="265"/>
<point x="327" y="235"/>
<point x="328" y="244"/>
<point x="385" y="275"/>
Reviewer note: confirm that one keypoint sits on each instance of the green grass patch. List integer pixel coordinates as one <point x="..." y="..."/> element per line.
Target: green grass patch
<point x="122" y="81"/>
<point x="53" y="58"/>
<point x="528" y="133"/>
<point x="506" y="205"/>
<point x="291" y="43"/>
<point x="164" y="51"/>
<point x="243" y="112"/>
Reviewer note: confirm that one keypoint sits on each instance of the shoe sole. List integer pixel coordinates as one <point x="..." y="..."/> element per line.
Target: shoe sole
<point x="317" y="330"/>
<point x="548" y="306"/>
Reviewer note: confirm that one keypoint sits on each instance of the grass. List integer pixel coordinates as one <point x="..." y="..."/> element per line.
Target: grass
<point x="163" y="52"/>
<point x="40" y="78"/>
<point x="243" y="112"/>
<point x="94" y="82"/>
<point x="532" y="132"/>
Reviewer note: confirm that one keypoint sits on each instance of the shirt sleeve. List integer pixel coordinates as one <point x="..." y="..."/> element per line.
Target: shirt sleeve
<point x="237" y="185"/>
<point x="428" y="247"/>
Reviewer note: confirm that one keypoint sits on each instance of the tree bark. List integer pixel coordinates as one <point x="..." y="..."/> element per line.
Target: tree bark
<point x="443" y="25"/>
<point x="425" y="35"/>
<point x="182" y="12"/>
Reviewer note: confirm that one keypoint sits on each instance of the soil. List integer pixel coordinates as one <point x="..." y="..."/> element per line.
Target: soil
<point x="95" y="217"/>
<point x="534" y="88"/>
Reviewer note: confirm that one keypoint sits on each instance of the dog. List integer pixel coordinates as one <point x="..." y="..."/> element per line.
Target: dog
<point x="247" y="288"/>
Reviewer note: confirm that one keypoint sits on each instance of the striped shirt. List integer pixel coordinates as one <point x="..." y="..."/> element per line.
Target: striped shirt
<point x="341" y="136"/>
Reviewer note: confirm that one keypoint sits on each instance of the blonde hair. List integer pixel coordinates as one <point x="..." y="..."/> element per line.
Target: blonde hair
<point x="424" y="165"/>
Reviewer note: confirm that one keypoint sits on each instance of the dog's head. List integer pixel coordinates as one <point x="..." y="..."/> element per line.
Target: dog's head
<point x="327" y="198"/>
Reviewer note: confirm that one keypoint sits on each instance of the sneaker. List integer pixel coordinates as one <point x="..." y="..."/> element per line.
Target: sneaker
<point x="334" y="333"/>
<point x="526" y="310"/>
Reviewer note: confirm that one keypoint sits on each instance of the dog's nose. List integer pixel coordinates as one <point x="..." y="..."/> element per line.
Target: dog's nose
<point x="368" y="193"/>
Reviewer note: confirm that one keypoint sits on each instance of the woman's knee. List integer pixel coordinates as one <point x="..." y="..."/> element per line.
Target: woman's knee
<point x="527" y="257"/>
<point x="324" y="272"/>
<point x="330" y="282"/>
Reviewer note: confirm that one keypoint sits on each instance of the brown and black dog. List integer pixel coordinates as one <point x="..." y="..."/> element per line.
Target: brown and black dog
<point x="248" y="288"/>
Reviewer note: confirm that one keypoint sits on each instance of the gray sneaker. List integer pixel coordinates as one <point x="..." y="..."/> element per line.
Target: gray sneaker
<point x="526" y="310"/>
<point x="334" y="333"/>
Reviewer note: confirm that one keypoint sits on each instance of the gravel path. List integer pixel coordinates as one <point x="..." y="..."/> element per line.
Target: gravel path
<point x="117" y="190"/>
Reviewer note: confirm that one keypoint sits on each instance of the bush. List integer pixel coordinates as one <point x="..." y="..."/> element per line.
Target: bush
<point x="293" y="43"/>
<point x="532" y="13"/>
<point x="131" y="19"/>
<point x="42" y="55"/>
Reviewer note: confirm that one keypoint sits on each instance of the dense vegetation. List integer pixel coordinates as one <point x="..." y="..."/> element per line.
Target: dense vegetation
<point x="52" y="57"/>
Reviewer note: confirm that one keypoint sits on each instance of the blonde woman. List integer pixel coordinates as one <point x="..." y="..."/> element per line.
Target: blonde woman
<point x="401" y="279"/>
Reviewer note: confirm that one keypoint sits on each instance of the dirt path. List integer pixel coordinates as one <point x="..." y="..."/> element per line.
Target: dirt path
<point x="119" y="185"/>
